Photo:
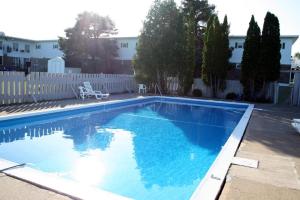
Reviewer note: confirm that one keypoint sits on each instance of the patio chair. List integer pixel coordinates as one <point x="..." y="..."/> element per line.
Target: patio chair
<point x="91" y="92"/>
<point x="82" y="92"/>
<point x="142" y="88"/>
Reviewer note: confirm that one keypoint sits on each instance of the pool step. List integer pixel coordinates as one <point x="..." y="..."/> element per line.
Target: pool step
<point x="245" y="162"/>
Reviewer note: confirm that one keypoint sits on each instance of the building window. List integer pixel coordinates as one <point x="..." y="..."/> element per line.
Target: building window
<point x="8" y="49"/>
<point x="283" y="45"/>
<point x="15" y="46"/>
<point x="15" y="61"/>
<point x="27" y="48"/>
<point x="1" y="45"/>
<point x="1" y="60"/>
<point x="55" y="46"/>
<point x="38" y="46"/>
<point x="124" y="45"/>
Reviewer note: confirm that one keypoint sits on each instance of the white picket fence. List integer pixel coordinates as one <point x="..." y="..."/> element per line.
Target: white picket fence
<point x="232" y="86"/>
<point x="15" y="87"/>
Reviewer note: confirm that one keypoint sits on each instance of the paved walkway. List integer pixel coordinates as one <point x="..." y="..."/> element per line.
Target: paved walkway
<point x="269" y="138"/>
<point x="29" y="107"/>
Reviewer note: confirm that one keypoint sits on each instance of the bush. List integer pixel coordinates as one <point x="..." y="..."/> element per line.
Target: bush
<point x="231" y="96"/>
<point x="197" y="93"/>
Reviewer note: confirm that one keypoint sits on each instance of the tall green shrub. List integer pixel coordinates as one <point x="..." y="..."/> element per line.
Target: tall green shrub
<point x="196" y="14"/>
<point x="269" y="63"/>
<point x="216" y="54"/>
<point x="250" y="60"/>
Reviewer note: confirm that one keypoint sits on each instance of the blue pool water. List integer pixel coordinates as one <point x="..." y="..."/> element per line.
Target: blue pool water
<point x="151" y="151"/>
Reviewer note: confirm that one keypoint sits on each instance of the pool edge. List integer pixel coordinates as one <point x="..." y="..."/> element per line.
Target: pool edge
<point x="57" y="184"/>
<point x="209" y="186"/>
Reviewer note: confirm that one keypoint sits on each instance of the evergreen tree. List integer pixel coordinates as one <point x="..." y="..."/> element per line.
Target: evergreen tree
<point x="269" y="53"/>
<point x="196" y="14"/>
<point x="159" y="51"/>
<point x="208" y="49"/>
<point x="186" y="77"/>
<point x="250" y="65"/>
<point x="216" y="54"/>
<point x="225" y="53"/>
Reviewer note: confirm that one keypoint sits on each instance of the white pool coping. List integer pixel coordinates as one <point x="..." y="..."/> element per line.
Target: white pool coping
<point x="57" y="184"/>
<point x="210" y="186"/>
<point x="208" y="189"/>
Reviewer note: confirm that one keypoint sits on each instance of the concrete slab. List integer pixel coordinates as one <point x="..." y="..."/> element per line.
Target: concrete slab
<point x="246" y="162"/>
<point x="14" y="189"/>
<point x="239" y="188"/>
<point x="270" y="139"/>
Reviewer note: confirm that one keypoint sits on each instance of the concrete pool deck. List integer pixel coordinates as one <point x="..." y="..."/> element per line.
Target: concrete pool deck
<point x="269" y="138"/>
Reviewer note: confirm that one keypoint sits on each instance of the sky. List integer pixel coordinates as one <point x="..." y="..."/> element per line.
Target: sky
<point x="47" y="19"/>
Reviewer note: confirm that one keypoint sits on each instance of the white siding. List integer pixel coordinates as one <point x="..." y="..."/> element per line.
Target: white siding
<point x="126" y="53"/>
<point x="127" y="48"/>
<point x="286" y="52"/>
<point x="46" y="50"/>
<point x="21" y="48"/>
<point x="238" y="52"/>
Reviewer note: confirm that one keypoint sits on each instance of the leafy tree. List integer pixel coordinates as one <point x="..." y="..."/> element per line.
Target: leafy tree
<point x="87" y="44"/>
<point x="196" y="14"/>
<point x="159" y="51"/>
<point x="216" y="54"/>
<point x="269" y="53"/>
<point x="250" y="64"/>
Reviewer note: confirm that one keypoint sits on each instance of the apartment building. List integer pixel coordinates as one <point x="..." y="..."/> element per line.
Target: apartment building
<point x="127" y="50"/>
<point x="236" y="43"/>
<point x="19" y="53"/>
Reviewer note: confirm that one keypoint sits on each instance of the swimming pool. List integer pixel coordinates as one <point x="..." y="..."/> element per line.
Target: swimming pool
<point x="149" y="148"/>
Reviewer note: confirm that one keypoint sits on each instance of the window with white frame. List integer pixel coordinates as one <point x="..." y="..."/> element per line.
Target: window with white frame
<point x="124" y="45"/>
<point x="15" y="46"/>
<point x="55" y="46"/>
<point x="27" y="48"/>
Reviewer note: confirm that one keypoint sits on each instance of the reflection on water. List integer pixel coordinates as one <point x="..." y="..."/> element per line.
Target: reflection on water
<point x="159" y="151"/>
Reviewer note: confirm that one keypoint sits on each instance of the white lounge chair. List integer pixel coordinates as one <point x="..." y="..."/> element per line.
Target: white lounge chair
<point x="142" y="89"/>
<point x="82" y="92"/>
<point x="91" y="92"/>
